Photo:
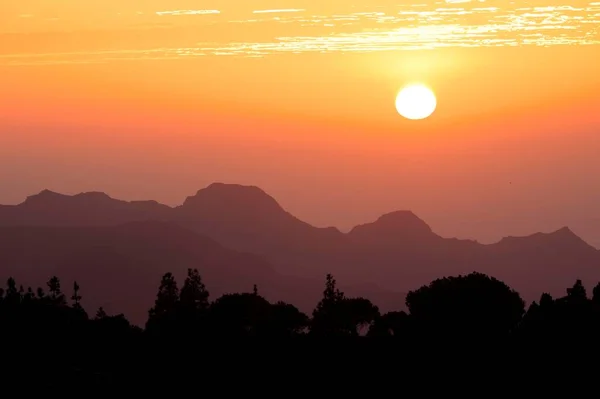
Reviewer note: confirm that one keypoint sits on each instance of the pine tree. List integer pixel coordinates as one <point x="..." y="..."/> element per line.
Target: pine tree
<point x="194" y="294"/>
<point x="76" y="298"/>
<point x="326" y="316"/>
<point x="12" y="293"/>
<point x="596" y="294"/>
<point x="331" y="294"/>
<point x="577" y="292"/>
<point x="167" y="298"/>
<point x="11" y="288"/>
<point x="101" y="314"/>
<point x="56" y="295"/>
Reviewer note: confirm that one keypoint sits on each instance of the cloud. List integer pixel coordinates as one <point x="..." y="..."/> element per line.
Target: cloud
<point x="285" y="10"/>
<point x="188" y="12"/>
<point x="423" y="26"/>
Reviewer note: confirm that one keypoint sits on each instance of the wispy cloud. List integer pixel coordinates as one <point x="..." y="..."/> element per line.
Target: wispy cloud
<point x="188" y="12"/>
<point x="453" y="23"/>
<point x="284" y="10"/>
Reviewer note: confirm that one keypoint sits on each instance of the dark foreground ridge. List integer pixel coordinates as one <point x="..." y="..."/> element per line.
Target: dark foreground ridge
<point x="185" y="332"/>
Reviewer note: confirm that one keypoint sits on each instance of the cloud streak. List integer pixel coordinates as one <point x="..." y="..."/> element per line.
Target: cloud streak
<point x="187" y="12"/>
<point x="285" y="10"/>
<point x="454" y="23"/>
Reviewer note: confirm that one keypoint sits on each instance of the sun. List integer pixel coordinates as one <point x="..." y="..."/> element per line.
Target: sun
<point x="416" y="101"/>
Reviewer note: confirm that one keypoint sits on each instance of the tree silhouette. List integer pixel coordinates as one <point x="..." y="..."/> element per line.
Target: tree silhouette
<point x="194" y="295"/>
<point x="539" y="317"/>
<point x="574" y="313"/>
<point x="474" y="306"/>
<point x="546" y="300"/>
<point x="163" y="316"/>
<point x="55" y="293"/>
<point x="337" y="315"/>
<point x="577" y="292"/>
<point x="190" y="314"/>
<point x="357" y="313"/>
<point x="466" y="306"/>
<point x="596" y="294"/>
<point x="285" y="320"/>
<point x="12" y="293"/>
<point x="29" y="296"/>
<point x="240" y="315"/>
<point x="331" y="293"/>
<point x="394" y="324"/>
<point x="76" y="298"/>
<point x="167" y="297"/>
<point x="326" y="316"/>
<point x="100" y="314"/>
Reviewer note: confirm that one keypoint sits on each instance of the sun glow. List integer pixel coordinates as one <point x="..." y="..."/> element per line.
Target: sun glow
<point x="416" y="101"/>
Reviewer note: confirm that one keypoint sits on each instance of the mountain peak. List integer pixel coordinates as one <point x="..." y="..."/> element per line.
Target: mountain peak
<point x="251" y="196"/>
<point x="44" y="196"/>
<point x="404" y="218"/>
<point x="234" y="188"/>
<point x="558" y="238"/>
<point x="399" y="224"/>
<point x="48" y="192"/>
<point x="565" y="234"/>
<point x="48" y="197"/>
<point x="564" y="231"/>
<point x="231" y="201"/>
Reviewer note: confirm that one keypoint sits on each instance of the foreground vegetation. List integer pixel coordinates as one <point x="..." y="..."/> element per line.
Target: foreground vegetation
<point x="183" y="322"/>
<point x="471" y="306"/>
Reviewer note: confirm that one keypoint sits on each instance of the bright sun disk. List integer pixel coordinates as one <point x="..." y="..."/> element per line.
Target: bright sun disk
<point x="416" y="101"/>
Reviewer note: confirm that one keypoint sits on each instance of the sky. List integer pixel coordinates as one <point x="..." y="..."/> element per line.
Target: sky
<point x="155" y="99"/>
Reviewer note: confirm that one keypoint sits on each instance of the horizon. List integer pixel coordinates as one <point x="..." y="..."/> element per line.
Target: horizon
<point x="346" y="231"/>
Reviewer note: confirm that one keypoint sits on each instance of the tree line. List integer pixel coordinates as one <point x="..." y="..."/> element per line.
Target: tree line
<point x="472" y="306"/>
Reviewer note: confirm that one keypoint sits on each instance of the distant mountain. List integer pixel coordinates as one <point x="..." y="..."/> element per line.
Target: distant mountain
<point x="395" y="253"/>
<point x="248" y="219"/>
<point x="548" y="259"/>
<point x="392" y="228"/>
<point x="119" y="267"/>
<point x="86" y="209"/>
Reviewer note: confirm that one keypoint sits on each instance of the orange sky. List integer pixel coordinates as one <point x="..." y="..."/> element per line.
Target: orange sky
<point x="156" y="99"/>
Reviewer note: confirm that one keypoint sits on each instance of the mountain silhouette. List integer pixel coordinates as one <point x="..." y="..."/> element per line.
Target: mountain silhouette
<point x="389" y="256"/>
<point x="119" y="267"/>
<point x="394" y="228"/>
<point x="86" y="209"/>
<point x="557" y="256"/>
<point x="247" y="218"/>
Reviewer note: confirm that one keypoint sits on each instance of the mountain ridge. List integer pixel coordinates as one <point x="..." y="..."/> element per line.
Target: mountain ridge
<point x="396" y="252"/>
<point x="119" y="267"/>
<point x="50" y="195"/>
